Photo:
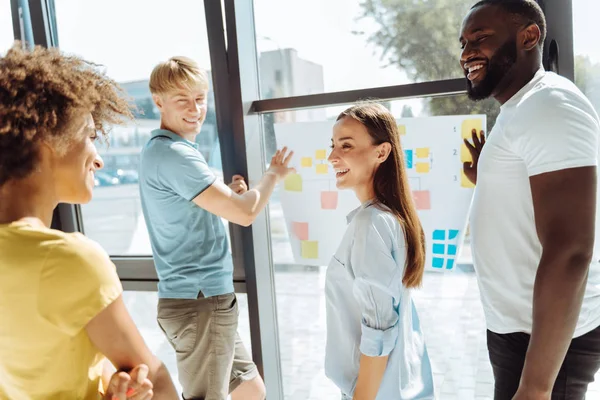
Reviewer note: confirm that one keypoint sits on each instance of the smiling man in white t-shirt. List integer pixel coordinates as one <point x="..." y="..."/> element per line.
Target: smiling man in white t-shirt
<point x="534" y="210"/>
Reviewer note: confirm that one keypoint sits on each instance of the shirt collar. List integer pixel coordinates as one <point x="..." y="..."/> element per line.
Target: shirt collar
<point x="519" y="95"/>
<point x="173" y="136"/>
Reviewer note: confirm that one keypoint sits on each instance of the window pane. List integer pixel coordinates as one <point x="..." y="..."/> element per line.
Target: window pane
<point x="376" y="43"/>
<point x="448" y="304"/>
<point x="129" y="50"/>
<point x="587" y="78"/>
<point x="6" y="27"/>
<point x="142" y="307"/>
<point x="587" y="51"/>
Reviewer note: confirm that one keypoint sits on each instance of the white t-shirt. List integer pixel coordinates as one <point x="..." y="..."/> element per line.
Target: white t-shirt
<point x="547" y="126"/>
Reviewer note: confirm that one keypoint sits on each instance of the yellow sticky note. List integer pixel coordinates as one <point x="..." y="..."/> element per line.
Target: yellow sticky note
<point x="466" y="133"/>
<point x="322" y="168"/>
<point x="422" y="167"/>
<point x="306" y="162"/>
<point x="464" y="181"/>
<point x="320" y="154"/>
<point x="309" y="249"/>
<point x="422" y="152"/>
<point x="402" y="129"/>
<point x="293" y="183"/>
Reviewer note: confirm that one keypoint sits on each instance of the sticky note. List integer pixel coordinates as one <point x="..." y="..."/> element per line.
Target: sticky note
<point x="449" y="263"/>
<point x="300" y="230"/>
<point x="422" y="199"/>
<point x="329" y="200"/>
<point x="438" y="249"/>
<point x="464" y="181"/>
<point x="422" y="152"/>
<point x="422" y="167"/>
<point x="306" y="162"/>
<point x="322" y="168"/>
<point x="320" y="154"/>
<point x="309" y="249"/>
<point x="402" y="130"/>
<point x="408" y="155"/>
<point x="466" y="133"/>
<point x="293" y="183"/>
<point x="437" y="262"/>
<point x="451" y="250"/>
<point x="439" y="234"/>
<point x="452" y="233"/>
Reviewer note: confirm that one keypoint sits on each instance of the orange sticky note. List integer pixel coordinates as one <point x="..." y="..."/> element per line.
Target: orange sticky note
<point x="329" y="200"/>
<point x="300" y="230"/>
<point x="422" y="199"/>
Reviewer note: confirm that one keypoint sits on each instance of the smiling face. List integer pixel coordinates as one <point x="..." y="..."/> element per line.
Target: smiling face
<point x="183" y="110"/>
<point x="489" y="51"/>
<point x="355" y="157"/>
<point x="73" y="170"/>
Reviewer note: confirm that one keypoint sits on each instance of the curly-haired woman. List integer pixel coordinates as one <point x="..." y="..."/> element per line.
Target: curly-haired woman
<point x="61" y="310"/>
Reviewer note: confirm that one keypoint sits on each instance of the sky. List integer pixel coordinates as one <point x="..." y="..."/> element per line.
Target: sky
<point x="130" y="36"/>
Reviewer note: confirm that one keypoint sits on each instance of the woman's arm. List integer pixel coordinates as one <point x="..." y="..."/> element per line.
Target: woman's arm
<point x="377" y="293"/>
<point x="115" y="335"/>
<point x="370" y="375"/>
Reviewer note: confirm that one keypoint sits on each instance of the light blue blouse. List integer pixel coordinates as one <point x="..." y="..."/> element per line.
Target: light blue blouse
<point x="369" y="311"/>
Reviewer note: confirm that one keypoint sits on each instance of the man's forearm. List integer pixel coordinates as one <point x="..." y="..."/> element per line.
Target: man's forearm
<point x="558" y="294"/>
<point x="257" y="198"/>
<point x="370" y="374"/>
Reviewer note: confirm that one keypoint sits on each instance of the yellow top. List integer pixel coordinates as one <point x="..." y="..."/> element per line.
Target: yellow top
<point x="51" y="285"/>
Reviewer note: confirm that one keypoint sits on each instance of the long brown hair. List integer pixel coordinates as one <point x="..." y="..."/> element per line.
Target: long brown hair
<point x="391" y="185"/>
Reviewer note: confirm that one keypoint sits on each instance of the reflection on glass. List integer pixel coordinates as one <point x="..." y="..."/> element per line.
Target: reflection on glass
<point x="6" y="27"/>
<point x="142" y="307"/>
<point x="587" y="51"/>
<point x="377" y="43"/>
<point x="114" y="217"/>
<point x="449" y="304"/>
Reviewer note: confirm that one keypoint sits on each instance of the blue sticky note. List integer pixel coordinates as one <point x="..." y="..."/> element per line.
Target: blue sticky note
<point x="408" y="154"/>
<point x="439" y="235"/>
<point x="453" y="234"/>
<point x="439" y="248"/>
<point x="450" y="263"/>
<point x="437" y="262"/>
<point x="451" y="250"/>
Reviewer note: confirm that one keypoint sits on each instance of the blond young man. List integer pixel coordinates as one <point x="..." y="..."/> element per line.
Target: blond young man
<point x="183" y="203"/>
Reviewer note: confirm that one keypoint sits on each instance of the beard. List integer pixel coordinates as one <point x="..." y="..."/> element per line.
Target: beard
<point x="497" y="68"/>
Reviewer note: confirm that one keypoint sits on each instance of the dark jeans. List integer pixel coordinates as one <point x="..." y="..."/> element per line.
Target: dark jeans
<point x="507" y="356"/>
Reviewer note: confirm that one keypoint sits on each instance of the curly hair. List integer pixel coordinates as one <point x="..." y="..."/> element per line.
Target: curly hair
<point x="40" y="91"/>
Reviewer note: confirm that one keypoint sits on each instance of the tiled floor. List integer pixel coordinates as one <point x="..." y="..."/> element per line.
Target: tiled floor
<point x="450" y="313"/>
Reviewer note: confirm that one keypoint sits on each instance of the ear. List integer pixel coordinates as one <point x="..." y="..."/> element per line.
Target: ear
<point x="383" y="152"/>
<point x="530" y="37"/>
<point x="158" y="101"/>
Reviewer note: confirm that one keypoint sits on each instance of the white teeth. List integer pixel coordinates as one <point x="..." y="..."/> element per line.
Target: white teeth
<point x="191" y="120"/>
<point x="341" y="171"/>
<point x="475" y="68"/>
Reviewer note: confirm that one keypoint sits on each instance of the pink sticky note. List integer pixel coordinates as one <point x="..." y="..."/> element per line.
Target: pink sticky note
<point x="300" y="230"/>
<point x="329" y="200"/>
<point x="422" y="199"/>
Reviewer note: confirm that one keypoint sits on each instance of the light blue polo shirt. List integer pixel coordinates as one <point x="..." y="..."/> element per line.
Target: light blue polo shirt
<point x="190" y="248"/>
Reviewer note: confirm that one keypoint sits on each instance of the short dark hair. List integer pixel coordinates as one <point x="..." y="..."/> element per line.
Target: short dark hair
<point x="529" y="11"/>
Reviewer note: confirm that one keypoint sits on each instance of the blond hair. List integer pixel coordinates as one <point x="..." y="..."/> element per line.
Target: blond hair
<point x="176" y="73"/>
